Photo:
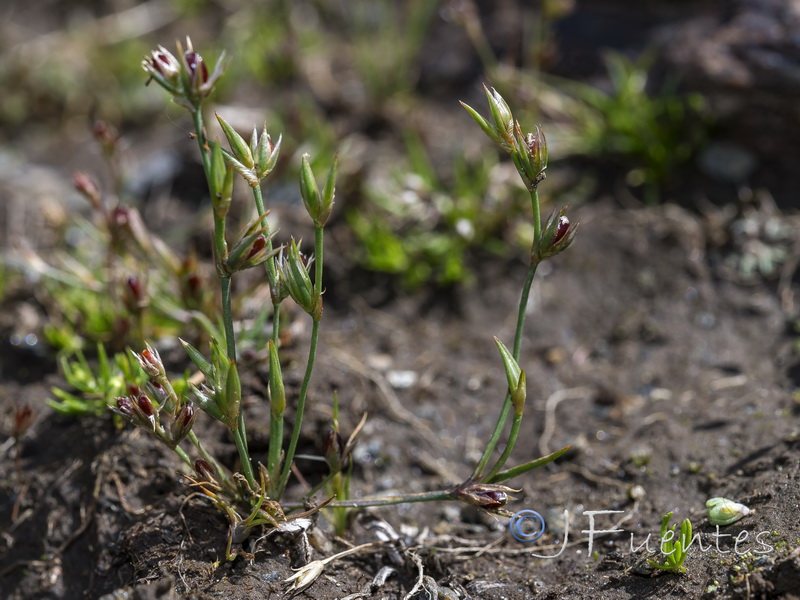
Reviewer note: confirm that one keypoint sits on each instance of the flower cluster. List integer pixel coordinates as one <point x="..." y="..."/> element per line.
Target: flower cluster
<point x="529" y="153"/>
<point x="187" y="77"/>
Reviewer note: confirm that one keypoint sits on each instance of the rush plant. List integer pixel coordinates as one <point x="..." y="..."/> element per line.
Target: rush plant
<point x="253" y="497"/>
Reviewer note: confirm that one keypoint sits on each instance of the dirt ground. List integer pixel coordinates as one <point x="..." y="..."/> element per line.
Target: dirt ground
<point x="660" y="372"/>
<point x="650" y="349"/>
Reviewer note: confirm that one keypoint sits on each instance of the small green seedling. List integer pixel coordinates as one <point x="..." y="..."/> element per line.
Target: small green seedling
<point x="94" y="389"/>
<point x="674" y="551"/>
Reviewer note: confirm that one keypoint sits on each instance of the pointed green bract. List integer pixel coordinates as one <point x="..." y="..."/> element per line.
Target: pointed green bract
<point x="206" y="368"/>
<point x="484" y="124"/>
<point x="267" y="154"/>
<point x="501" y="115"/>
<point x="239" y="148"/>
<point x="216" y="173"/>
<point x="513" y="371"/>
<point x="519" y="395"/>
<point x="277" y="394"/>
<point x="254" y="145"/>
<point x="296" y="280"/>
<point x="328" y="193"/>
<point x="203" y="396"/>
<point x="233" y="395"/>
<point x="308" y="188"/>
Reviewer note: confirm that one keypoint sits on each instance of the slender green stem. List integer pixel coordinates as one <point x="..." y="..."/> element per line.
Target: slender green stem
<point x="276" y="323"/>
<point x="227" y="317"/>
<point x="301" y="403"/>
<point x="537" y="216"/>
<point x="501" y="421"/>
<point x="183" y="456"/>
<point x="174" y="403"/>
<point x="525" y="467"/>
<point x="221" y="251"/>
<point x="498" y="430"/>
<point x="220" y="245"/>
<point x="312" y="353"/>
<point x="275" y="445"/>
<point x="523" y="304"/>
<point x="244" y="456"/>
<point x="276" y="421"/>
<point x="197" y="117"/>
<point x="436" y="496"/>
<point x="240" y="433"/>
<point x="211" y="460"/>
<point x="272" y="270"/>
<point x="512" y="440"/>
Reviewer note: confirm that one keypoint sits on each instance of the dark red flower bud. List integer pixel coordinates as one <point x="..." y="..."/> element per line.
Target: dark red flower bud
<point x="87" y="187"/>
<point x="557" y="235"/>
<point x="23" y="419"/>
<point x="163" y="62"/>
<point x="135" y="288"/>
<point x="150" y="361"/>
<point x="561" y="229"/>
<point x="182" y="424"/>
<point x="146" y="406"/>
<point x="149" y="357"/>
<point x="334" y="452"/>
<point x="196" y="66"/>
<point x="125" y="406"/>
<point x="157" y="391"/>
<point x="122" y="327"/>
<point x="258" y="245"/>
<point x="204" y="470"/>
<point x="487" y="496"/>
<point x="493" y="499"/>
<point x="120" y="217"/>
<point x="107" y="136"/>
<point x="186" y="414"/>
<point x="194" y="283"/>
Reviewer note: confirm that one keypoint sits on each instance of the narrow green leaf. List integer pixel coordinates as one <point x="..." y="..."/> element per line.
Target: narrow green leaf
<point x="529" y="466"/>
<point x="102" y="357"/>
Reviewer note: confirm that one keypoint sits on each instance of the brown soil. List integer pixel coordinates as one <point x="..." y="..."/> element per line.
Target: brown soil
<point x="658" y="372"/>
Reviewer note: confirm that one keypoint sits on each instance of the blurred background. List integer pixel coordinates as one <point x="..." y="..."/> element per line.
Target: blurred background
<point x="691" y="102"/>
